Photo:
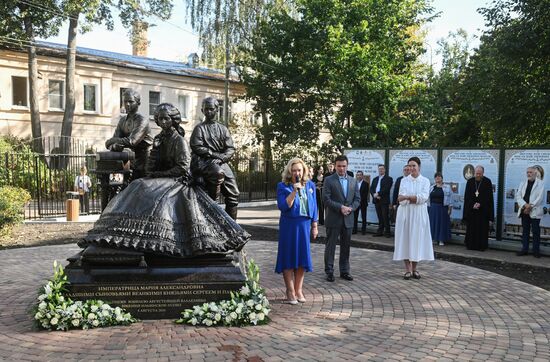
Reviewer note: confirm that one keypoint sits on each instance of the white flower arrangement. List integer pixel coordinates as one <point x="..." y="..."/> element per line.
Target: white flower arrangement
<point x="55" y="311"/>
<point x="248" y="306"/>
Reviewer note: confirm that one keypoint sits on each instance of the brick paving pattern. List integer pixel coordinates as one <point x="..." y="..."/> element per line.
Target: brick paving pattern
<point x="454" y="312"/>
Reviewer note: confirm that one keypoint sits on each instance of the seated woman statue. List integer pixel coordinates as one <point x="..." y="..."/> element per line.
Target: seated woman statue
<point x="165" y="213"/>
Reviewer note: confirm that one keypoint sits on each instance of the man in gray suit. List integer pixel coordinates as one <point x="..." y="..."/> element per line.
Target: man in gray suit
<point x="341" y="197"/>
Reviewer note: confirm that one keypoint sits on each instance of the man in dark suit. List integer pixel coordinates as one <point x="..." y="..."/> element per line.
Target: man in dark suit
<point x="330" y="170"/>
<point x="395" y="203"/>
<point x="363" y="187"/>
<point x="380" y="191"/>
<point x="341" y="198"/>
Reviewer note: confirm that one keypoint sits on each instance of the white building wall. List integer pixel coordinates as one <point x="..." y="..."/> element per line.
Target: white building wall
<point x="95" y="127"/>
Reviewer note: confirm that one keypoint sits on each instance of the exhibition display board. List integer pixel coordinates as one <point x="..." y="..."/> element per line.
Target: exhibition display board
<point x="506" y="168"/>
<point x="458" y="167"/>
<point x="515" y="168"/>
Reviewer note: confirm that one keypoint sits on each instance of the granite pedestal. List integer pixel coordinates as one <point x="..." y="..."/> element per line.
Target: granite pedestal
<point x="163" y="288"/>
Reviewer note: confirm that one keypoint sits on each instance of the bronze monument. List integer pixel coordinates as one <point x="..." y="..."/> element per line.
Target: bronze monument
<point x="164" y="233"/>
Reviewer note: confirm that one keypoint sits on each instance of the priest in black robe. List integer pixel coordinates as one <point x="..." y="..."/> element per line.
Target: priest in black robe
<point x="478" y="210"/>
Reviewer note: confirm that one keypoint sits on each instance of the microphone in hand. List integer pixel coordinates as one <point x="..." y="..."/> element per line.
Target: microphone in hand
<point x="297" y="184"/>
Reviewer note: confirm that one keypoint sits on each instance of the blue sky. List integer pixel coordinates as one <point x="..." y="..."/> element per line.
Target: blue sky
<point x="175" y="40"/>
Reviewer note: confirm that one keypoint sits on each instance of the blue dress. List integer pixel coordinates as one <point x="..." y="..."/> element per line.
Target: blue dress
<point x="294" y="229"/>
<point x="440" y="222"/>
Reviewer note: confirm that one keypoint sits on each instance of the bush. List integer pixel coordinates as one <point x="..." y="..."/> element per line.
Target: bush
<point x="12" y="200"/>
<point x="20" y="166"/>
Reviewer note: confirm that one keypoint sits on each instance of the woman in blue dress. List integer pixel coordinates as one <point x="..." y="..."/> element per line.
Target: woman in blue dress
<point x="297" y="224"/>
<point x="439" y="210"/>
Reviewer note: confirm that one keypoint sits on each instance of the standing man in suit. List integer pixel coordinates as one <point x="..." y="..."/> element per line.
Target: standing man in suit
<point x="380" y="191"/>
<point x="363" y="187"/>
<point x="395" y="203"/>
<point x="341" y="198"/>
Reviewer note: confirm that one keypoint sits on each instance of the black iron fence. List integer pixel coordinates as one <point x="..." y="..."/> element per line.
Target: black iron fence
<point x="50" y="177"/>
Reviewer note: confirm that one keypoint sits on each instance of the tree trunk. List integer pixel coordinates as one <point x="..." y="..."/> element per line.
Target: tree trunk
<point x="36" y="128"/>
<point x="68" y="115"/>
<point x="266" y="141"/>
<point x="228" y="26"/>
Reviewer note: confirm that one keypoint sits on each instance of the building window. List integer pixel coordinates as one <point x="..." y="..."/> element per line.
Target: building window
<point x="122" y="90"/>
<point x="183" y="105"/>
<point x="55" y="94"/>
<point x="19" y="91"/>
<point x="90" y="97"/>
<point x="154" y="101"/>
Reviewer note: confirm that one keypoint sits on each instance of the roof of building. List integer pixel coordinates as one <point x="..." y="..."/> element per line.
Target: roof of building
<point x="132" y="61"/>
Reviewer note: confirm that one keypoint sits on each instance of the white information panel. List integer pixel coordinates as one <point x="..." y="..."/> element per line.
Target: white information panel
<point x="399" y="158"/>
<point x="458" y="167"/>
<point x="366" y="161"/>
<point x="515" y="168"/>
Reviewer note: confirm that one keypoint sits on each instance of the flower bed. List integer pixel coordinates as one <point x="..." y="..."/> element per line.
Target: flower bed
<point x="248" y="306"/>
<point x="57" y="312"/>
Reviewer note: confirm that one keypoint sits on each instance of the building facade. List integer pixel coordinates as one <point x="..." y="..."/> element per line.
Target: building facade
<point x="101" y="78"/>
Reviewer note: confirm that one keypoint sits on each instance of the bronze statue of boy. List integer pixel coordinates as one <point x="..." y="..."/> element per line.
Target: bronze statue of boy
<point x="212" y="147"/>
<point x="133" y="132"/>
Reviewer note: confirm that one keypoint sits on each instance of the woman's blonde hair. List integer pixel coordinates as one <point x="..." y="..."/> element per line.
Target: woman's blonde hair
<point x="287" y="173"/>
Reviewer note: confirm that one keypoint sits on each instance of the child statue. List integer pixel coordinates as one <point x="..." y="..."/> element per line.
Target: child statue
<point x="212" y="148"/>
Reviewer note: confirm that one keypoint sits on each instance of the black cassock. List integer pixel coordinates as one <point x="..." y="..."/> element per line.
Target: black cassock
<point x="477" y="221"/>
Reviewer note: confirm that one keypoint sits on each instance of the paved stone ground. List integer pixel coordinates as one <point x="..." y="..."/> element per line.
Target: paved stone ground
<point x="454" y="312"/>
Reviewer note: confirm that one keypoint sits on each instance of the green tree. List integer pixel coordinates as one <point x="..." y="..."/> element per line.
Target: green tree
<point x="335" y="65"/>
<point x="223" y="24"/>
<point x="504" y="97"/>
<point x="225" y="27"/>
<point x="21" y="22"/>
<point x="427" y="113"/>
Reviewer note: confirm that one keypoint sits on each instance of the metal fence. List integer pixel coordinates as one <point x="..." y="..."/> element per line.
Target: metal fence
<point x="49" y="177"/>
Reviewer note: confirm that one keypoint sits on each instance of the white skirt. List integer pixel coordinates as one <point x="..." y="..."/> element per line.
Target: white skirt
<point x="413" y="239"/>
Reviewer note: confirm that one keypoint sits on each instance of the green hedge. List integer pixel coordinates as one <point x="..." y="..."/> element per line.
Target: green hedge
<point x="12" y="201"/>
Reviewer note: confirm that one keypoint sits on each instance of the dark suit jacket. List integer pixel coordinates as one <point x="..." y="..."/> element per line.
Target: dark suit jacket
<point x="333" y="198"/>
<point x="364" y="193"/>
<point x="396" y="190"/>
<point x="385" y="188"/>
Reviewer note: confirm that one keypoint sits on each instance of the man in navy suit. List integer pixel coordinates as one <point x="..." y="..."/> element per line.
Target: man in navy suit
<point x="363" y="187"/>
<point x="341" y="199"/>
<point x="380" y="191"/>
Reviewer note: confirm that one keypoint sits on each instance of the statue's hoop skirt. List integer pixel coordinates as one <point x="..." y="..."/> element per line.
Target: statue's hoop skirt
<point x="166" y="216"/>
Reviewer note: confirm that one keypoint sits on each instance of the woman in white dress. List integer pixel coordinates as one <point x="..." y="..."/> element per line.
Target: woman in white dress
<point x="413" y="240"/>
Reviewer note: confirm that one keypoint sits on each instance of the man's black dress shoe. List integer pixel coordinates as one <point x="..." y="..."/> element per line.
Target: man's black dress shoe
<point x="363" y="232"/>
<point x="536" y="255"/>
<point x="330" y="277"/>
<point x="388" y="235"/>
<point x="521" y="253"/>
<point x="346" y="276"/>
<point x="378" y="234"/>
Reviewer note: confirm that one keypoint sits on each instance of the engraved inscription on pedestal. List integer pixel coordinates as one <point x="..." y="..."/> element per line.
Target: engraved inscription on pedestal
<point x="155" y="300"/>
<point x="158" y="292"/>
